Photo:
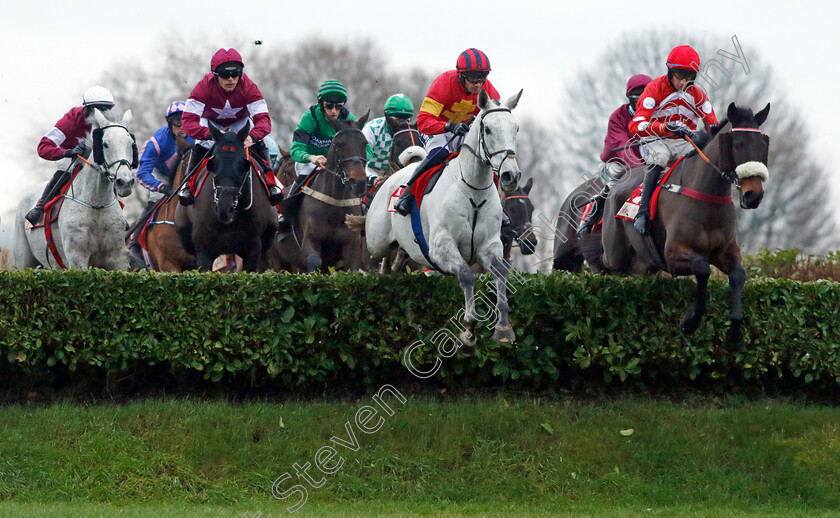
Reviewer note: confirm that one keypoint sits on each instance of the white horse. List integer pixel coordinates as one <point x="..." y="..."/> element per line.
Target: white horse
<point x="90" y="230"/>
<point x="462" y="217"/>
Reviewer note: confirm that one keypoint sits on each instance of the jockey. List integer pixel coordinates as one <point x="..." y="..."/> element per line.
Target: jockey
<point x="446" y="113"/>
<point x="314" y="133"/>
<point x="378" y="133"/>
<point x="615" y="163"/>
<point x="229" y="99"/>
<point x="159" y="159"/>
<point x="671" y="107"/>
<point x="65" y="142"/>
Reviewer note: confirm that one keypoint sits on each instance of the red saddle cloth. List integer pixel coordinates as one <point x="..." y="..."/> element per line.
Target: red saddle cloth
<point x="196" y="181"/>
<point x="418" y="189"/>
<point x="631" y="206"/>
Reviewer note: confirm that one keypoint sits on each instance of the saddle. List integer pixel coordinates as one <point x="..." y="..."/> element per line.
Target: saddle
<point x="53" y="207"/>
<point x="630" y="208"/>
<point x="427" y="181"/>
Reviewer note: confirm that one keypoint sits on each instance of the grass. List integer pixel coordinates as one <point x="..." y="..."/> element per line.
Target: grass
<point x="446" y="456"/>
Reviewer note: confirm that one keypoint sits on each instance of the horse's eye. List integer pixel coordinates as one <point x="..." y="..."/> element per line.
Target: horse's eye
<point x="104" y="144"/>
<point x="487" y="131"/>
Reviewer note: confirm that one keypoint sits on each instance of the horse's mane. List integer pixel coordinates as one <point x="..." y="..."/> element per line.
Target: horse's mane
<point x="742" y="114"/>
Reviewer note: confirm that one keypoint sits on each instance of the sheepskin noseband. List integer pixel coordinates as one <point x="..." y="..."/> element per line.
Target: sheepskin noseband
<point x="411" y="152"/>
<point x="748" y="169"/>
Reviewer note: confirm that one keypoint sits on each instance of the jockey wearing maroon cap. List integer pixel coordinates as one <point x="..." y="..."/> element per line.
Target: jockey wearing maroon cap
<point x="446" y="112"/>
<point x="230" y="100"/>
<point x="615" y="163"/>
<point x="65" y="142"/>
<point x="671" y="108"/>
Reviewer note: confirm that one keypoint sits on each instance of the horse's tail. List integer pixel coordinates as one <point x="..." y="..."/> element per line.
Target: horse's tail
<point x="355" y="222"/>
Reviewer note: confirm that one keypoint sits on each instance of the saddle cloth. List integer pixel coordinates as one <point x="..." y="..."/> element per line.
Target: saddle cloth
<point x="630" y="208"/>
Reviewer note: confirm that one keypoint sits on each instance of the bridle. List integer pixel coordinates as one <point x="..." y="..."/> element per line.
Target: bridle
<point x="730" y="176"/>
<point x="488" y="156"/>
<point x="103" y="168"/>
<point x="516" y="233"/>
<point x="249" y="176"/>
<point x="339" y="172"/>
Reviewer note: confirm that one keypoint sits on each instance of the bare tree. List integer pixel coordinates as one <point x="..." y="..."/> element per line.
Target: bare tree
<point x="794" y="212"/>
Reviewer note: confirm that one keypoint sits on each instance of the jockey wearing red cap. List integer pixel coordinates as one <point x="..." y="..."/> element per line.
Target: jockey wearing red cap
<point x="447" y="110"/>
<point x="231" y="100"/>
<point x="670" y="108"/>
<point x="615" y="163"/>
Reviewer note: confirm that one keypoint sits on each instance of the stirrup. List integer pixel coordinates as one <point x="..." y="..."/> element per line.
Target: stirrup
<point x="403" y="204"/>
<point x="35" y="215"/>
<point x="275" y="195"/>
<point x="185" y="196"/>
<point x="642" y="223"/>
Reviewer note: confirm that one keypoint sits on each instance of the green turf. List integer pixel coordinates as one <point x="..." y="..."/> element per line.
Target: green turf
<point x="446" y="456"/>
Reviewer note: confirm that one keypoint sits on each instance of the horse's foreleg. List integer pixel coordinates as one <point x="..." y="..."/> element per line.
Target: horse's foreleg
<point x="701" y="269"/>
<point x="731" y="265"/>
<point x="312" y="256"/>
<point x="499" y="268"/>
<point x="445" y="253"/>
<point x="204" y="261"/>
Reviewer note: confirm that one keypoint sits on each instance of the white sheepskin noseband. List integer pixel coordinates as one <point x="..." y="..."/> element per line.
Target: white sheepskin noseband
<point x="748" y="169"/>
<point x="411" y="152"/>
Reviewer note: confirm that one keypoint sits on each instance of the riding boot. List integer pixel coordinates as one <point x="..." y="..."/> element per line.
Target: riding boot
<point x="185" y="195"/>
<point x="53" y="186"/>
<point x="144" y="215"/>
<point x="435" y="157"/>
<point x="595" y="214"/>
<point x="505" y="218"/>
<point x="642" y="221"/>
<point x="275" y="194"/>
<point x="290" y="192"/>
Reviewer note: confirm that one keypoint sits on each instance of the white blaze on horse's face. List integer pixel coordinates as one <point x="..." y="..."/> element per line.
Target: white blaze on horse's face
<point x="117" y="150"/>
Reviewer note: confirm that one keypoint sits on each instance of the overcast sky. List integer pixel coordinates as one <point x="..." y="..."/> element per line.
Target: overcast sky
<point x="55" y="50"/>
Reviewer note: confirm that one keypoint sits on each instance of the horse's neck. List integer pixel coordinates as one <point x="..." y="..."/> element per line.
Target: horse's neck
<point x="696" y="174"/>
<point x="92" y="188"/>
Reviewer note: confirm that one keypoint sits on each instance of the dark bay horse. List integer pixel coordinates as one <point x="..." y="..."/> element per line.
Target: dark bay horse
<point x="519" y="208"/>
<point x="332" y="195"/>
<point x="231" y="214"/>
<point x="405" y="138"/>
<point x="695" y="222"/>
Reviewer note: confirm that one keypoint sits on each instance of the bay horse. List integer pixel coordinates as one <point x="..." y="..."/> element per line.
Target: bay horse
<point x="166" y="252"/>
<point x="695" y="221"/>
<point x="520" y="209"/>
<point x="462" y="217"/>
<point x="89" y="231"/>
<point x="231" y="214"/>
<point x="330" y="197"/>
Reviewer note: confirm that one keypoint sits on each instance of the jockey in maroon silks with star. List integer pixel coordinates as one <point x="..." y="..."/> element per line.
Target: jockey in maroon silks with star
<point x="230" y="100"/>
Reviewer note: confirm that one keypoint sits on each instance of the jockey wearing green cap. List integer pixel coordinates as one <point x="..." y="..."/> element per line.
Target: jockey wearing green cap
<point x="379" y="135"/>
<point x="313" y="135"/>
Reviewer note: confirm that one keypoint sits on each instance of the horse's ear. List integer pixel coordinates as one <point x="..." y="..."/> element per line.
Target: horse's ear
<point x="732" y="113"/>
<point x="483" y="100"/>
<point x="215" y="134"/>
<point x="727" y="160"/>
<point x="513" y="101"/>
<point x="530" y="182"/>
<point x="364" y="119"/>
<point x="761" y="116"/>
<point x="243" y="133"/>
<point x="100" y="119"/>
<point x="127" y="116"/>
<point x="283" y="152"/>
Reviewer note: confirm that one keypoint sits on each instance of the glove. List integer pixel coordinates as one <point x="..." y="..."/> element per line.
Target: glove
<point x="165" y="189"/>
<point x="678" y="129"/>
<point x="80" y="149"/>
<point x="458" y="128"/>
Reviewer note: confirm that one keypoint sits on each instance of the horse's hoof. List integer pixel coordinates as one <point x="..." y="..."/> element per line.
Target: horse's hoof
<point x="689" y="323"/>
<point x="467" y="338"/>
<point x="504" y="335"/>
<point x="735" y="335"/>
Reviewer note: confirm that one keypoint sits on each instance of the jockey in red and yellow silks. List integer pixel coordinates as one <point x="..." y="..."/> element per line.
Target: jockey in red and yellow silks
<point x="447" y="110"/>
<point x="670" y="108"/>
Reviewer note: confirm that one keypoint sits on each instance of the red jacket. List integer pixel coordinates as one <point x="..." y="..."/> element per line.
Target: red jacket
<point x="618" y="135"/>
<point x="661" y="103"/>
<point x="448" y="101"/>
<point x="209" y="102"/>
<point x="67" y="133"/>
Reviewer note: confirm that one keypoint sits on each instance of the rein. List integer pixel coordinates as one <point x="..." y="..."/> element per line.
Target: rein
<point x="488" y="156"/>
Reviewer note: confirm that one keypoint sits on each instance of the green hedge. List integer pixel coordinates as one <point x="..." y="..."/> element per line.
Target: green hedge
<point x="351" y="330"/>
